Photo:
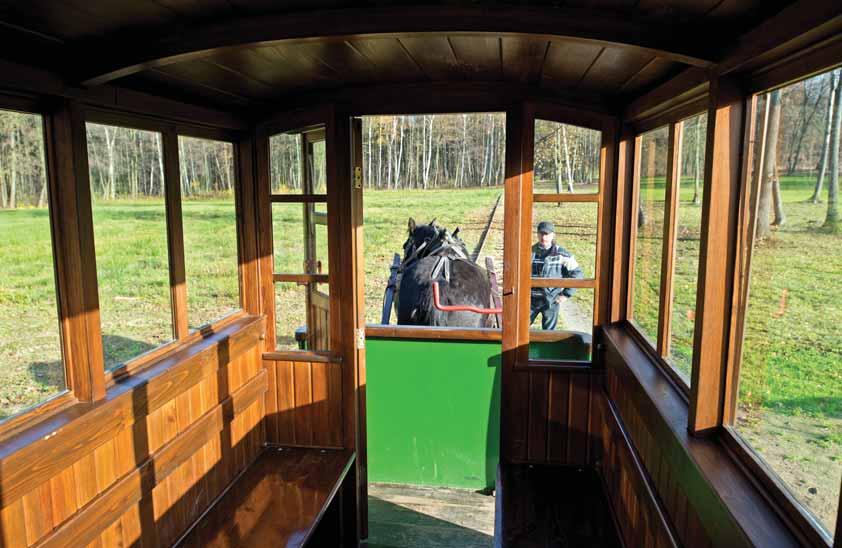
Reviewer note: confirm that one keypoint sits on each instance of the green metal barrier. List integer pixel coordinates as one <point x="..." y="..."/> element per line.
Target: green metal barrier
<point x="433" y="415"/>
<point x="433" y="408"/>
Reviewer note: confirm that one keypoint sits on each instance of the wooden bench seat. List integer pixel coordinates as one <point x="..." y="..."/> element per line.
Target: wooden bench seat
<point x="287" y="497"/>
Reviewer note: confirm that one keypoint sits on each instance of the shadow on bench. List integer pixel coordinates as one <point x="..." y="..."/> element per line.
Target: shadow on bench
<point x="287" y="497"/>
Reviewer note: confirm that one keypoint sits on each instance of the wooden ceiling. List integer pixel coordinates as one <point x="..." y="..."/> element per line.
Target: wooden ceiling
<point x="248" y="53"/>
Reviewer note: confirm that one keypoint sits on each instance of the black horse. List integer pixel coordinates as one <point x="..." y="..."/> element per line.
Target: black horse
<point x="431" y="253"/>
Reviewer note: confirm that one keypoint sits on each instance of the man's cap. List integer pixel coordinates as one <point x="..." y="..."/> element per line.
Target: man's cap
<point x="546" y="227"/>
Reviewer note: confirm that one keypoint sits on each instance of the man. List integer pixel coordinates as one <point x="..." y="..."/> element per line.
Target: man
<point x="549" y="260"/>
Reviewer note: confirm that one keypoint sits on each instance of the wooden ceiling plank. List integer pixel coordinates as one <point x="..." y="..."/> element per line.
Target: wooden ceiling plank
<point x="434" y="55"/>
<point x="523" y="58"/>
<point x="567" y="62"/>
<point x="614" y="67"/>
<point x="392" y="60"/>
<point x="118" y="57"/>
<point x="479" y="57"/>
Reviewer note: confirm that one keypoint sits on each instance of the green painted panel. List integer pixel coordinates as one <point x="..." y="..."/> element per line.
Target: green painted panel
<point x="433" y="412"/>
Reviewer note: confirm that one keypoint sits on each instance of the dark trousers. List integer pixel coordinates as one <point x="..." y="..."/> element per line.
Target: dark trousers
<point x="549" y="316"/>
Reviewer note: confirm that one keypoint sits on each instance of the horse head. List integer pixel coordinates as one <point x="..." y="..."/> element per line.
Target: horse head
<point x="429" y="238"/>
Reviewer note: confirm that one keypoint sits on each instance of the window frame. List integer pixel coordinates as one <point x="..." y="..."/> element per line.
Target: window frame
<point x="170" y="133"/>
<point x="803" y="520"/>
<point x="531" y="111"/>
<point x="318" y="122"/>
<point x="58" y="240"/>
<point x="659" y="351"/>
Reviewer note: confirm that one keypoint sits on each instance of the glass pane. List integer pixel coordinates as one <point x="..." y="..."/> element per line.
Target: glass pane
<point x="289" y="155"/>
<point x="569" y="250"/>
<point x="566" y="158"/>
<point x="301" y="316"/>
<point x="557" y="311"/>
<point x="648" y="246"/>
<point x="790" y="394"/>
<point x="209" y="221"/>
<point x="451" y="176"/>
<point x="31" y="368"/>
<point x="130" y="233"/>
<point x="687" y="245"/>
<point x="300" y="238"/>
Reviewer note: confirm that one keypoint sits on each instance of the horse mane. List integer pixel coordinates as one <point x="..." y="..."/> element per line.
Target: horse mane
<point x="443" y="242"/>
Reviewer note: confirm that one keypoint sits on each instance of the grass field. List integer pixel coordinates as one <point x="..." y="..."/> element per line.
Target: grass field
<point x="791" y="377"/>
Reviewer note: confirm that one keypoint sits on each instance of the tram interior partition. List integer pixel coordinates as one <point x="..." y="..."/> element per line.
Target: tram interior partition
<point x="170" y="447"/>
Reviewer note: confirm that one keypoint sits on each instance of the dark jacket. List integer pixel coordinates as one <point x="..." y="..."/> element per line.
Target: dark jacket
<point x="555" y="262"/>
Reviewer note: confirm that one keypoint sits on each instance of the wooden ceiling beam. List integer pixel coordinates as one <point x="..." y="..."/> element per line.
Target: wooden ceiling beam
<point x="108" y="59"/>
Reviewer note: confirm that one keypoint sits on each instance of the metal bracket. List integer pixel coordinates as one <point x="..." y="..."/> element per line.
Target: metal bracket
<point x="360" y="336"/>
<point x="358" y="177"/>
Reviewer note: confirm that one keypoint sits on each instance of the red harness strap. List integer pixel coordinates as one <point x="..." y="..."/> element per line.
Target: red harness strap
<point x="458" y="308"/>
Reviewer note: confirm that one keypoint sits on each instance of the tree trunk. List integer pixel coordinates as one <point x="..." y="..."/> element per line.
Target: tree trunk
<point x="557" y="160"/>
<point x="400" y="155"/>
<point x="569" y="167"/>
<point x="13" y="179"/>
<point x="110" y="138"/>
<point x="780" y="216"/>
<point x="764" y="208"/>
<point x="697" y="164"/>
<point x="831" y="106"/>
<point x="832" y="219"/>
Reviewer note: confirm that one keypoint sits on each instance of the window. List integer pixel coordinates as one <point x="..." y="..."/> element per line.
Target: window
<point x="31" y="367"/>
<point x="209" y="223"/>
<point x="130" y="234"/>
<point x="442" y="175"/>
<point x="565" y="219"/>
<point x="789" y="402"/>
<point x="300" y="237"/>
<point x="649" y="234"/>
<point x="687" y="244"/>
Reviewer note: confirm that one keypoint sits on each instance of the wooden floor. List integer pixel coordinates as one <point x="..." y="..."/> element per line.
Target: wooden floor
<point x="403" y="516"/>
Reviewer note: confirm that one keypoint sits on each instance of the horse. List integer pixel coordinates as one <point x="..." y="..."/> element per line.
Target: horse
<point x="431" y="254"/>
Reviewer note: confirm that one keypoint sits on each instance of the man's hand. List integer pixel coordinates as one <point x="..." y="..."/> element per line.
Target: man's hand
<point x="560" y="299"/>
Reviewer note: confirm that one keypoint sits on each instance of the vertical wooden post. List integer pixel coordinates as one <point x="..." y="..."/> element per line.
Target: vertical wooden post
<point x="608" y="196"/>
<point x="723" y="166"/>
<point x="72" y="226"/>
<point x="668" y="250"/>
<point x="246" y="206"/>
<point x="175" y="234"/>
<point x="514" y="407"/>
<point x="265" y="259"/>
<point x="634" y="194"/>
<point x="623" y="215"/>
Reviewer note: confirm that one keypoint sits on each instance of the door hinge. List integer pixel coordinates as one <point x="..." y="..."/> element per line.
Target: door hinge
<point x="358" y="177"/>
<point x="360" y="338"/>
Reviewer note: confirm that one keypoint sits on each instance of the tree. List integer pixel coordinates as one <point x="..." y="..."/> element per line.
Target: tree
<point x="831" y="221"/>
<point x="831" y="106"/>
<point x="768" y="173"/>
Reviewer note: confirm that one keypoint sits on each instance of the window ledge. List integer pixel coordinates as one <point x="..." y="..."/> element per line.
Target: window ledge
<point x="730" y="505"/>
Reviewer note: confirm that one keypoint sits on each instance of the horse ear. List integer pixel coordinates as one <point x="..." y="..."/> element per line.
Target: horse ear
<point x="432" y="223"/>
<point x="411" y="225"/>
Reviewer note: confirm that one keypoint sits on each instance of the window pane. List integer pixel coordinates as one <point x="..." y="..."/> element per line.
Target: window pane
<point x="574" y="236"/>
<point x="130" y="233"/>
<point x="566" y="158"/>
<point x="296" y="252"/>
<point x="301" y="316"/>
<point x="687" y="245"/>
<point x="210" y="229"/>
<point x="561" y="311"/>
<point x="790" y="394"/>
<point x="298" y="163"/>
<point x="449" y="178"/>
<point x="31" y="368"/>
<point x="650" y="231"/>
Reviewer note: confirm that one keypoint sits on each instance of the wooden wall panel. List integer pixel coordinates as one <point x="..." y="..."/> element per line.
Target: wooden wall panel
<point x="305" y="400"/>
<point x="161" y="465"/>
<point x="559" y="427"/>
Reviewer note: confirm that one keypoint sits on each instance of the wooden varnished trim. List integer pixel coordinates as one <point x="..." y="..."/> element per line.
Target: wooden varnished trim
<point x="107" y="507"/>
<point x="301" y="278"/>
<point x="565" y="197"/>
<point x="35" y="455"/>
<point x="298" y="198"/>
<point x="669" y="237"/>
<point x="132" y="120"/>
<point x="563" y="282"/>
<point x="302" y="356"/>
<point x="623" y="215"/>
<point x="433" y="333"/>
<point x="175" y="235"/>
